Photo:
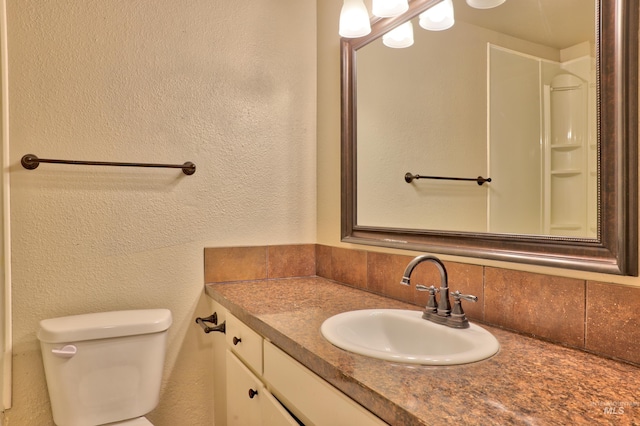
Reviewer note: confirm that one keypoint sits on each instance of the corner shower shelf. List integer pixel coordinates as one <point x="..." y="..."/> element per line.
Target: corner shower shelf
<point x="566" y="172"/>
<point x="567" y="156"/>
<point x="566" y="226"/>
<point x="565" y="147"/>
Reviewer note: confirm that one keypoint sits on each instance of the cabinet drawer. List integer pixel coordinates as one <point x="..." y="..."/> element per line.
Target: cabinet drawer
<point x="246" y="343"/>
<point x="310" y="397"/>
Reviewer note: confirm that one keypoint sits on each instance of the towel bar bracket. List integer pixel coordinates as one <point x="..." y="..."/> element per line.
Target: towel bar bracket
<point x="29" y="161"/>
<point x="213" y="318"/>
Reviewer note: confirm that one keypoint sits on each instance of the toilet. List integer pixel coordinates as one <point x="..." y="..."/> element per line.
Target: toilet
<point x="104" y="368"/>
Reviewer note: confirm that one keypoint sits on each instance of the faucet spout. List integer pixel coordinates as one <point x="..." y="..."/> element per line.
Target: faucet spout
<point x="442" y="314"/>
<point x="406" y="279"/>
<point x="444" y="305"/>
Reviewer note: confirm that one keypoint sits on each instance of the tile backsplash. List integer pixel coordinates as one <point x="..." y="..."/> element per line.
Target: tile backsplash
<point x="593" y="316"/>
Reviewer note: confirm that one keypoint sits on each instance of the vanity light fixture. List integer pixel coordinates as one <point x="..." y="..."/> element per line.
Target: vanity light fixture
<point x="485" y="4"/>
<point x="439" y="17"/>
<point x="389" y="8"/>
<point x="354" y="19"/>
<point x="399" y="37"/>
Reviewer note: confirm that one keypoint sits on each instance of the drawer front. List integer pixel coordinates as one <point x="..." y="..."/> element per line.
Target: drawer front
<point x="246" y="343"/>
<point x="310" y="397"/>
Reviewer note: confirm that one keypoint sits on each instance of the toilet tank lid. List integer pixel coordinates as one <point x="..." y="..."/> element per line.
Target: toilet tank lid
<point x="104" y="325"/>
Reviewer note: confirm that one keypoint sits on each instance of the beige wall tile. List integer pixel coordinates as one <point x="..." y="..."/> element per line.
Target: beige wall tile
<point x="235" y="264"/>
<point x="541" y="305"/>
<point x="384" y="272"/>
<point x="349" y="266"/>
<point x="298" y="260"/>
<point x="613" y="323"/>
<point x="323" y="261"/>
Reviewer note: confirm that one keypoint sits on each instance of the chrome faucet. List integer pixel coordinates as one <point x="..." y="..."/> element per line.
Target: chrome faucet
<point x="440" y="312"/>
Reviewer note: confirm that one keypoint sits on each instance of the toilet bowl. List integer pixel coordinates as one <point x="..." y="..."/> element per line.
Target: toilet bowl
<point x="104" y="368"/>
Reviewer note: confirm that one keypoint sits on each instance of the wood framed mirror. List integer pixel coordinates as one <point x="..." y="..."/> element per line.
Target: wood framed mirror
<point x="610" y="248"/>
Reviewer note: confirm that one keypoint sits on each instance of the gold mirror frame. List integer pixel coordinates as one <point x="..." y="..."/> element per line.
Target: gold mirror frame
<point x="615" y="251"/>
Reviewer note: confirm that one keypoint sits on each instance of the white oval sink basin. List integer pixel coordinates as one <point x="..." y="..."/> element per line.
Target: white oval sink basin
<point x="404" y="336"/>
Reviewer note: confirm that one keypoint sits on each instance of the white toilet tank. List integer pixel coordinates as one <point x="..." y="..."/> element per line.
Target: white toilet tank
<point x="104" y="367"/>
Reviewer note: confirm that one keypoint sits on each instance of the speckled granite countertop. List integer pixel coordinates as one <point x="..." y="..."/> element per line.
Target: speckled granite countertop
<point x="528" y="382"/>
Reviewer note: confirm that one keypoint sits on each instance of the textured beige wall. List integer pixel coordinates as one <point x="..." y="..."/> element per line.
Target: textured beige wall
<point x="329" y="155"/>
<point x="329" y="122"/>
<point x="229" y="85"/>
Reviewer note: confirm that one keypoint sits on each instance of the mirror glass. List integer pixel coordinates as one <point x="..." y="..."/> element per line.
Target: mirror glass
<point x="507" y="93"/>
<point x="511" y="135"/>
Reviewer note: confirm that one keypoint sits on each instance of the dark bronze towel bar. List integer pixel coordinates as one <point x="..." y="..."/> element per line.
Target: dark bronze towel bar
<point x="479" y="180"/>
<point x="30" y="162"/>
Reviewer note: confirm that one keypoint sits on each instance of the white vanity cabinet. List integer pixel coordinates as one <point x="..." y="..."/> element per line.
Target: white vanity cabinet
<point x="261" y="380"/>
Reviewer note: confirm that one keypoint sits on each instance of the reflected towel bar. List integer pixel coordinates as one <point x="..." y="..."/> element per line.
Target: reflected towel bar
<point x="30" y="162"/>
<point x="479" y="180"/>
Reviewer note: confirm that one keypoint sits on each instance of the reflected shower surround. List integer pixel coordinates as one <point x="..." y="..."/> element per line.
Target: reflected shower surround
<point x="355" y="21"/>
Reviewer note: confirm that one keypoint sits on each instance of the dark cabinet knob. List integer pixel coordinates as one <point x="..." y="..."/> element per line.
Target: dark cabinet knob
<point x="252" y="393"/>
<point x="236" y="340"/>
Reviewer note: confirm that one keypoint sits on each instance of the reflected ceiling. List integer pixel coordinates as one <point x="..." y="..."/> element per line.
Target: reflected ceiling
<point x="524" y="19"/>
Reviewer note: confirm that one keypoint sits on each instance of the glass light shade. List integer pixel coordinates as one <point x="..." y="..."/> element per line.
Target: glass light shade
<point x="389" y="8"/>
<point x="354" y="19"/>
<point x="399" y="37"/>
<point x="438" y="17"/>
<point x="485" y="4"/>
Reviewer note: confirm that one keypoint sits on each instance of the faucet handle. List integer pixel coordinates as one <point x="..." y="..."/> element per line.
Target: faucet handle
<point x="430" y="289"/>
<point x="468" y="297"/>
<point x="458" y="317"/>
<point x="432" y="305"/>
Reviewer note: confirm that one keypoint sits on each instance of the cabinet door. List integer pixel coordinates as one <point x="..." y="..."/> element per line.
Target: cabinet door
<point x="311" y="398"/>
<point x="273" y="414"/>
<point x="249" y="403"/>
<point x="242" y="408"/>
